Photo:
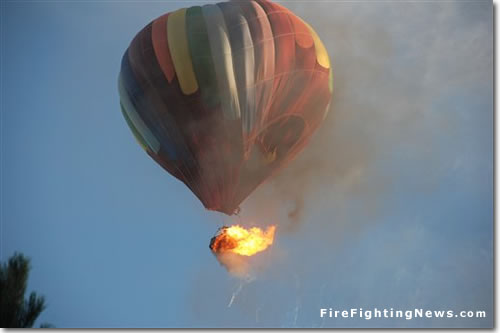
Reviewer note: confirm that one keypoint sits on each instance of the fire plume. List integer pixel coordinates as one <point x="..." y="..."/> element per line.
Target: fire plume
<point x="245" y="242"/>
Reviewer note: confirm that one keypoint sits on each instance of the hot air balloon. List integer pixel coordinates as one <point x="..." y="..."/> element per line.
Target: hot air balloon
<point x="224" y="95"/>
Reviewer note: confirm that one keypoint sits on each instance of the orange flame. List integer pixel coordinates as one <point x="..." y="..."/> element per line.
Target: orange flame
<point x="245" y="242"/>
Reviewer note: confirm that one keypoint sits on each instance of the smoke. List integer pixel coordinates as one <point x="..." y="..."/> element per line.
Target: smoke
<point x="394" y="130"/>
<point x="246" y="268"/>
<point x="343" y="149"/>
<point x="381" y="103"/>
<point x="235" y="264"/>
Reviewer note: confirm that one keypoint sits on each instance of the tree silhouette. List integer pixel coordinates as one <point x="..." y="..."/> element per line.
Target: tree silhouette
<point x="15" y="311"/>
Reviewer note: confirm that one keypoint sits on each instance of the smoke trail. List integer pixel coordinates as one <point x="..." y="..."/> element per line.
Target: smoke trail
<point x="233" y="296"/>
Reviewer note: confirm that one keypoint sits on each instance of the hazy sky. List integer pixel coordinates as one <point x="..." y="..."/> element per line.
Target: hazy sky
<point x="394" y="196"/>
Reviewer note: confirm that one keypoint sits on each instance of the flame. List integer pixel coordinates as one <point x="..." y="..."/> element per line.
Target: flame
<point x="245" y="242"/>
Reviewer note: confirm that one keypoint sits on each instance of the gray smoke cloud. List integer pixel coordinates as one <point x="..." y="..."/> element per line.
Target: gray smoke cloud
<point x="398" y="67"/>
<point x="390" y="63"/>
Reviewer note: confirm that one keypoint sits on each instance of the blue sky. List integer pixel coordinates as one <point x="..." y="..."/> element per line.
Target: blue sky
<point x="396" y="187"/>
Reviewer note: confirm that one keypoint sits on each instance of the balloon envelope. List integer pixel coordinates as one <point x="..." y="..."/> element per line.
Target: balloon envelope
<point x="224" y="95"/>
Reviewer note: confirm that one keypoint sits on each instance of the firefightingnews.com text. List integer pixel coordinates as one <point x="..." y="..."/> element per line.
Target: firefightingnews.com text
<point x="391" y="313"/>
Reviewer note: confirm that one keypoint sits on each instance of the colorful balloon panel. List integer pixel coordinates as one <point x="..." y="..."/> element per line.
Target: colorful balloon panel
<point x="224" y="95"/>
